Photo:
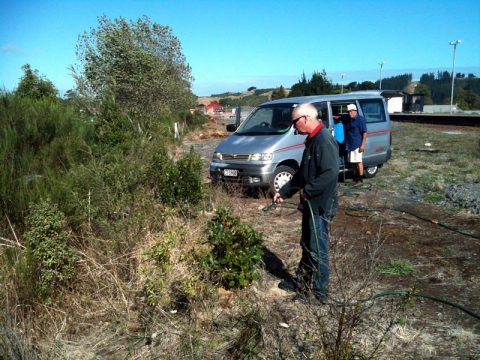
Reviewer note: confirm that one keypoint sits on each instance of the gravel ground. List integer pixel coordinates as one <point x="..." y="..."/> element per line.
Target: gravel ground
<point x="397" y="218"/>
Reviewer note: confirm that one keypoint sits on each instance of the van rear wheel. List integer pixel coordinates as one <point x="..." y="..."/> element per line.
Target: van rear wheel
<point x="370" y="172"/>
<point x="281" y="176"/>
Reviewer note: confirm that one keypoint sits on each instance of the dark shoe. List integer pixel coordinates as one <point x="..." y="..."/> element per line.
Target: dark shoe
<point x="289" y="285"/>
<point x="310" y="299"/>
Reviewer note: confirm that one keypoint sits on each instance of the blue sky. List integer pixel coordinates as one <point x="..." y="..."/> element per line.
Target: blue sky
<point x="232" y="45"/>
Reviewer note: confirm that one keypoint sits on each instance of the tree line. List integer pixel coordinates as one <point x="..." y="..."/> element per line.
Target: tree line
<point x="435" y="87"/>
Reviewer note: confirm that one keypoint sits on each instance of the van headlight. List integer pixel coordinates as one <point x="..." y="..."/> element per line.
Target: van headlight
<point x="261" y="157"/>
<point x="217" y="156"/>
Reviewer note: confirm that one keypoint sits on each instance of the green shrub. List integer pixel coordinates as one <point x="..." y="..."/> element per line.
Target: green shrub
<point x="162" y="175"/>
<point x="189" y="182"/>
<point x="40" y="141"/>
<point x="195" y="119"/>
<point x="237" y="249"/>
<point x="49" y="257"/>
<point x="179" y="182"/>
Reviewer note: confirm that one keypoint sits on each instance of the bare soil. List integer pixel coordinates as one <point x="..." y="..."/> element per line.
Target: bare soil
<point x="406" y="227"/>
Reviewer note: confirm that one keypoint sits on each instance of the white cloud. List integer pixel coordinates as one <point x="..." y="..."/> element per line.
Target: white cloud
<point x="8" y="48"/>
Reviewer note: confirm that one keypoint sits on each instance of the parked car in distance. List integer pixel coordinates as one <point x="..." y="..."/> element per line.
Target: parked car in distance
<point x="265" y="150"/>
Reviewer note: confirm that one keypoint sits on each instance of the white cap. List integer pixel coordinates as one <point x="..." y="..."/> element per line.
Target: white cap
<point x="351" y="107"/>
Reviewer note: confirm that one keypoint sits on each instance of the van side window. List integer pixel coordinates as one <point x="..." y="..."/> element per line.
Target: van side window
<point x="322" y="109"/>
<point x="373" y="110"/>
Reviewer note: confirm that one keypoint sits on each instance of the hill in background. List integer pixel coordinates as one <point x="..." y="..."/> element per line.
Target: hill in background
<point x="250" y="97"/>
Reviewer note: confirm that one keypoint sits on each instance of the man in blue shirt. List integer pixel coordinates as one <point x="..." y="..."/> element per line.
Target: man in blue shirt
<point x="355" y="139"/>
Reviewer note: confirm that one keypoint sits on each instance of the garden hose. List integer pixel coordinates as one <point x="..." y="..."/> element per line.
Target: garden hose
<point x="385" y="293"/>
<point x="432" y="221"/>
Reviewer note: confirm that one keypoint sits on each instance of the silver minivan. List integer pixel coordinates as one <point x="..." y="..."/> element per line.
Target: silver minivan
<point x="265" y="150"/>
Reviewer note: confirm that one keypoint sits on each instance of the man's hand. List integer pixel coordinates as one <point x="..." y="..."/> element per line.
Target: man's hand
<point x="277" y="199"/>
<point x="302" y="195"/>
<point x="361" y="148"/>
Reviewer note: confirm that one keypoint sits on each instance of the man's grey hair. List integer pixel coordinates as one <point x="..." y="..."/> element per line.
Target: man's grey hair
<point x="306" y="109"/>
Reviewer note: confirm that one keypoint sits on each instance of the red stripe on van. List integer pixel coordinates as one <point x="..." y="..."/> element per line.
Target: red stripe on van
<point x="290" y="147"/>
<point x="378" y="132"/>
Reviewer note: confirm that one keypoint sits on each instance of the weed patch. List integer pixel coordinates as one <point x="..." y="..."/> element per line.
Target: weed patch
<point x="396" y="267"/>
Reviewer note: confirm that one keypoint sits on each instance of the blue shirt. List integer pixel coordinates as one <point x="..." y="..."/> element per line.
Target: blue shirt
<point x="354" y="130"/>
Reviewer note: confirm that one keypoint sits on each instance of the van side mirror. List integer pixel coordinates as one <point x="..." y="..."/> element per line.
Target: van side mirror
<point x="231" y="127"/>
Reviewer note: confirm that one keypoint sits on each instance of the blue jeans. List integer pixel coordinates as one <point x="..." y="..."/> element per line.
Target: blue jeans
<point x="313" y="270"/>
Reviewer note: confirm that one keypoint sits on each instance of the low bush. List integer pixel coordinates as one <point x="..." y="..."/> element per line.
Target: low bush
<point x="237" y="249"/>
<point x="176" y="183"/>
<point x="50" y="259"/>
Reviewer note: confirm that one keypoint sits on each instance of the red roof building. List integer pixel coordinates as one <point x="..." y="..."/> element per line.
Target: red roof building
<point x="213" y="107"/>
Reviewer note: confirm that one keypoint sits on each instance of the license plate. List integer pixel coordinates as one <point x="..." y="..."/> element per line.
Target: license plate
<point x="230" y="172"/>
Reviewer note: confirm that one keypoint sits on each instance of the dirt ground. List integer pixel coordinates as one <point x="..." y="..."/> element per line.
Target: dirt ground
<point x="445" y="263"/>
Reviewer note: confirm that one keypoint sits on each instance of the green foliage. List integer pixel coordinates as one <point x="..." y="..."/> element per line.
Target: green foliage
<point x="160" y="255"/>
<point x="179" y="182"/>
<point x="468" y="100"/>
<point x="113" y="128"/>
<point x="237" y="249"/>
<point x="194" y="119"/>
<point x="398" y="82"/>
<point x="317" y="85"/>
<point x="279" y="93"/>
<point x="162" y="175"/>
<point x="189" y="182"/>
<point x="228" y="93"/>
<point x="140" y="63"/>
<point x="34" y="86"/>
<point x="249" y="100"/>
<point x="40" y="141"/>
<point x="49" y="256"/>
<point x="396" y="267"/>
<point x="466" y="94"/>
<point x="425" y="90"/>
<point x="262" y="91"/>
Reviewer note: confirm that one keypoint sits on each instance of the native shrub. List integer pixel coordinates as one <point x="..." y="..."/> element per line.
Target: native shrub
<point x="189" y="183"/>
<point x="179" y="182"/>
<point x="49" y="257"/>
<point x="237" y="249"/>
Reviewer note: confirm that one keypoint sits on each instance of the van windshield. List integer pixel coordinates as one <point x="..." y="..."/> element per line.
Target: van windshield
<point x="268" y="120"/>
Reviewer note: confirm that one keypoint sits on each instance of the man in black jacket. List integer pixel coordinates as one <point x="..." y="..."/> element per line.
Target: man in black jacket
<point x="316" y="180"/>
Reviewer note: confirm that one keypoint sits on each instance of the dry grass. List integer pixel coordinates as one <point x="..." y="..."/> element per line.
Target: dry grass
<point x="107" y="312"/>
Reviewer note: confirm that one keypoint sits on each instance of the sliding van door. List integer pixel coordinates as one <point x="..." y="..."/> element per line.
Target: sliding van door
<point x="378" y="131"/>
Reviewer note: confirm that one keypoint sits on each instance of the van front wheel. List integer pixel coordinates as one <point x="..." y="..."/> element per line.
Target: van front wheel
<point x="281" y="176"/>
<point x="370" y="172"/>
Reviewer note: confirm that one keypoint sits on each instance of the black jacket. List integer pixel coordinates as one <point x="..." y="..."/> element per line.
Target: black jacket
<point x="318" y="174"/>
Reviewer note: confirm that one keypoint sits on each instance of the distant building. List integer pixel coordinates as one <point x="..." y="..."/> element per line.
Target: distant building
<point x="200" y="107"/>
<point x="413" y="103"/>
<point x="213" y="107"/>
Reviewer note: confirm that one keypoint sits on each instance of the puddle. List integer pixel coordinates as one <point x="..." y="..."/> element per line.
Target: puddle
<point x="452" y="132"/>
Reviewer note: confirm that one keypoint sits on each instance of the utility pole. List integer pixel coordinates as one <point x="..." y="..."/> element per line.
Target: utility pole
<point x="381" y="66"/>
<point x="341" y="91"/>
<point x="454" y="43"/>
